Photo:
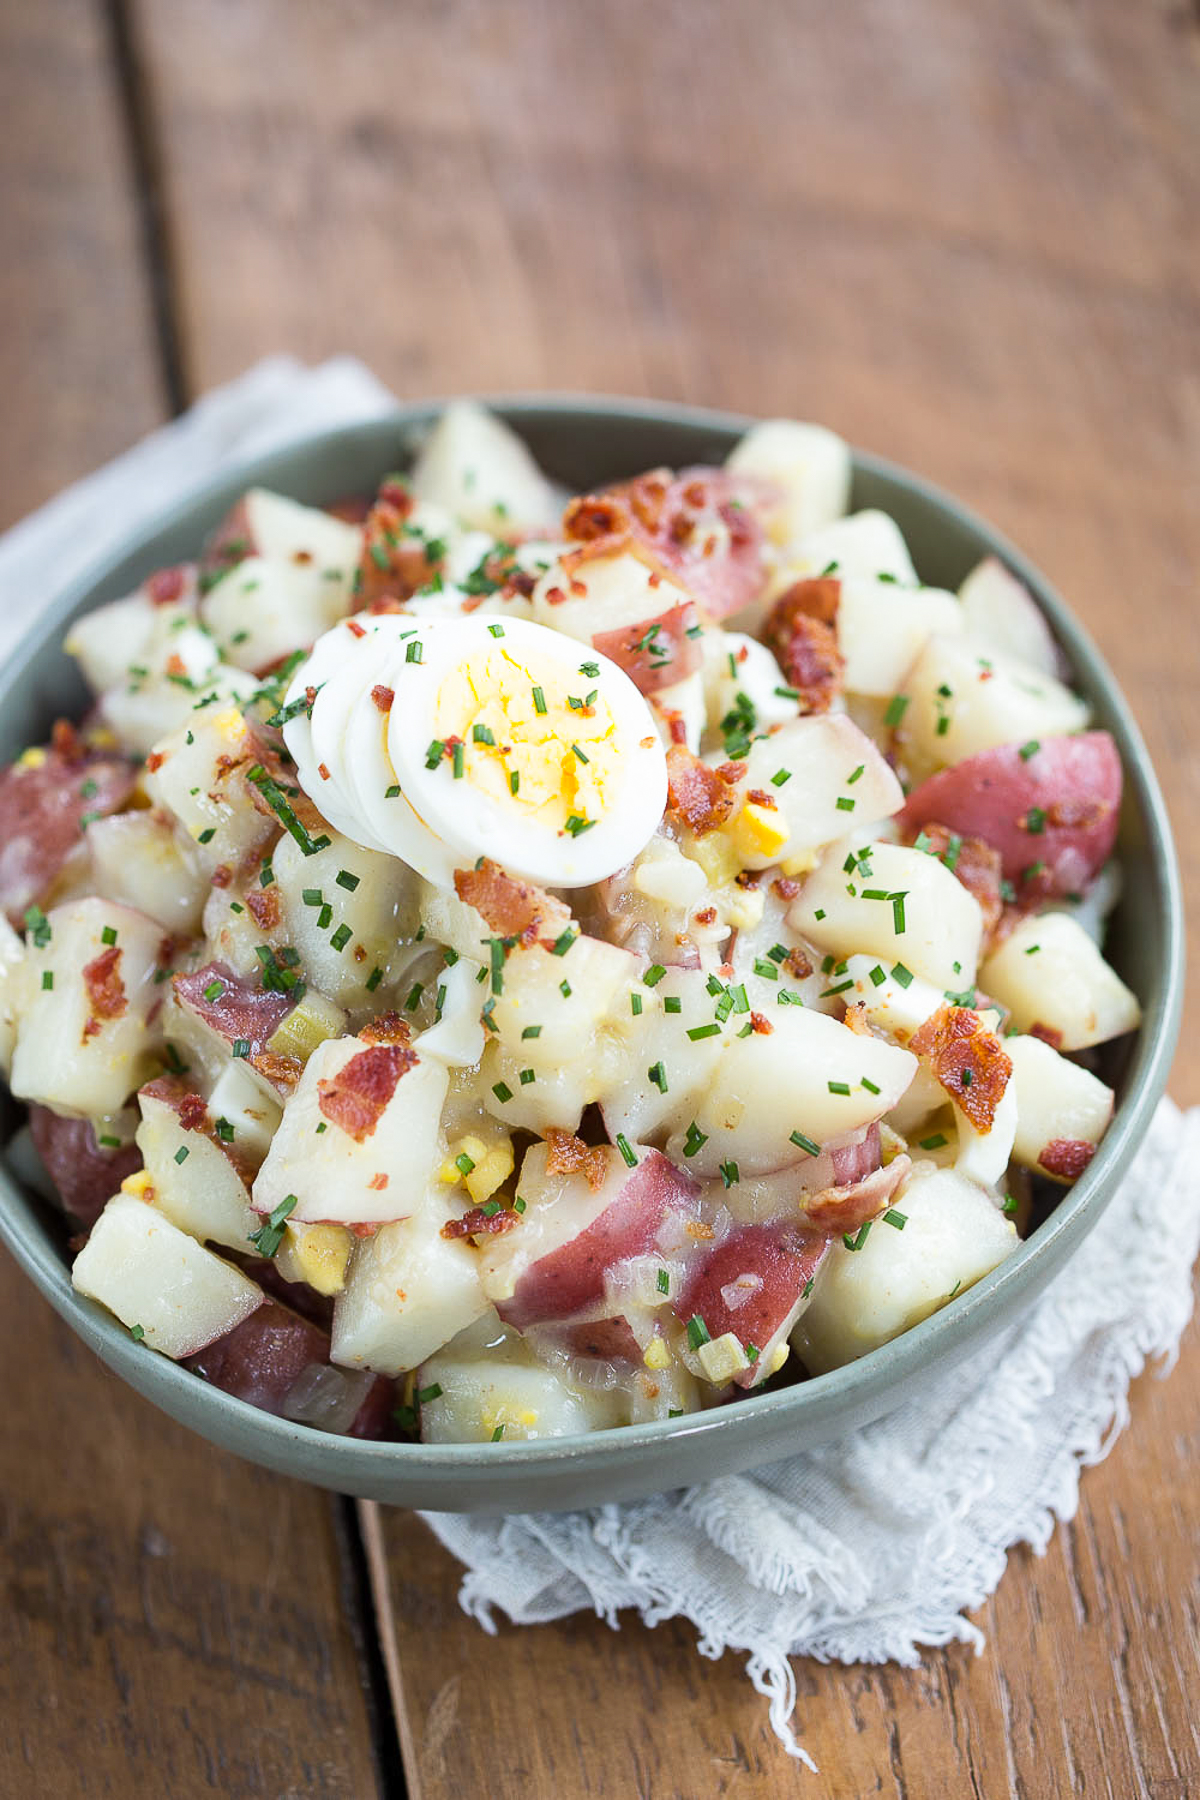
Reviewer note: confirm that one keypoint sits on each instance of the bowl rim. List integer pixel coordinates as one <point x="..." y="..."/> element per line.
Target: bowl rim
<point x="893" y="1365"/>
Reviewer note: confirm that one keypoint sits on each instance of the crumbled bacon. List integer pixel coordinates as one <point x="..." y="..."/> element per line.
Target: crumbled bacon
<point x="569" y="1155"/>
<point x="154" y="761"/>
<point x="512" y="908"/>
<point x="165" y="586"/>
<point x="968" y="1060"/>
<point x="105" y="989"/>
<point x="795" y="961"/>
<point x="787" y="887"/>
<point x="856" y="1020"/>
<point x="703" y="798"/>
<point x="836" y="1210"/>
<point x="354" y="1099"/>
<point x="800" y="629"/>
<point x="395" y="563"/>
<point x="388" y="1028"/>
<point x="975" y="863"/>
<point x="378" y="1182"/>
<point x="221" y="876"/>
<point x="1066" y="1157"/>
<point x="760" y="1023"/>
<point x="192" y="1111"/>
<point x="383" y="697"/>
<point x="478" y="1221"/>
<point x="591" y="516"/>
<point x="263" y="904"/>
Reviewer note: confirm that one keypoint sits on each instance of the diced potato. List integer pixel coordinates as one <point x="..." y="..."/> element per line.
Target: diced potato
<point x="373" y="914"/>
<point x="896" y="1006"/>
<point x="343" y="1179"/>
<point x="809" y="1076"/>
<point x="193" y="1182"/>
<point x="124" y="634"/>
<point x="999" y="613"/>
<point x="682" y="700"/>
<point x="983" y="1156"/>
<point x="882" y="628"/>
<point x="485" y="1401"/>
<point x="1049" y="973"/>
<point x="961" y="702"/>
<point x="953" y="1236"/>
<point x="633" y="1102"/>
<point x="621" y="590"/>
<point x="311" y="1021"/>
<point x="78" y="1052"/>
<point x="209" y="797"/>
<point x="457" y="1038"/>
<point x="532" y="1000"/>
<point x="807" y="466"/>
<point x="822" y="773"/>
<point x="409" y="1290"/>
<point x="253" y="1115"/>
<point x="155" y="1277"/>
<point x="294" y="584"/>
<point x="934" y="930"/>
<point x="12" y="991"/>
<point x="135" y="858"/>
<point x="1058" y="1105"/>
<point x="865" y="544"/>
<point x="479" y="470"/>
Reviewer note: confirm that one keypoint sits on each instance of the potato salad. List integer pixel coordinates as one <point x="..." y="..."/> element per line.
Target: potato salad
<point x="495" y="964"/>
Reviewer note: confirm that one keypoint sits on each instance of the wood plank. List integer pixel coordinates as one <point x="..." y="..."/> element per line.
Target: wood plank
<point x="77" y="365"/>
<point x="175" y="1622"/>
<point x="965" y="237"/>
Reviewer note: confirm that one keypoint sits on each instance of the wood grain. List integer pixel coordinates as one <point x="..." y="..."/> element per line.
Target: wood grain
<point x="966" y="237"/>
<point x="77" y="365"/>
<point x="175" y="1623"/>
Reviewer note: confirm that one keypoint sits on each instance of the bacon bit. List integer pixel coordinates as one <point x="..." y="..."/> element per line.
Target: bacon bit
<point x="383" y="697"/>
<point x="283" y="1072"/>
<point x="224" y="764"/>
<point x="388" y="1028"/>
<point x="569" y="1155"/>
<point x="656" y="581"/>
<point x="592" y="516"/>
<point x="957" y="1043"/>
<point x="760" y="1024"/>
<point x="302" y="557"/>
<point x="787" y="888"/>
<point x="176" y="664"/>
<point x="477" y="1223"/>
<point x="154" y="761"/>
<point x="761" y="797"/>
<point x="749" y="878"/>
<point x="706" y="916"/>
<point x="807" y="649"/>
<point x="837" y="1210"/>
<point x="701" y="797"/>
<point x="164" y="586"/>
<point x="855" y="1019"/>
<point x="221" y="876"/>
<point x="676" y="726"/>
<point x="555" y="595"/>
<point x="1066" y="1157"/>
<point x="322" y="771"/>
<point x="696" y="1228"/>
<point x="378" y="1183"/>
<point x="359" y="953"/>
<point x="1076" y="815"/>
<point x="355" y="1098"/>
<point x="66" y="741"/>
<point x="394" y="564"/>
<point x="578" y="588"/>
<point x="395" y="494"/>
<point x="796" y="961"/>
<point x="512" y="908"/>
<point x="353" y="626"/>
<point x="977" y="866"/>
<point x="731" y="771"/>
<point x="106" y="990"/>
<point x="815" y="597"/>
<point x="263" y="904"/>
<point x="193" y="1111"/>
<point x="364" y="1229"/>
<point x="1049" y="1034"/>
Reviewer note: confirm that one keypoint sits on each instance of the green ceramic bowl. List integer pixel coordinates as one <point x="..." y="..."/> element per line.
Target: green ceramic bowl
<point x="582" y="442"/>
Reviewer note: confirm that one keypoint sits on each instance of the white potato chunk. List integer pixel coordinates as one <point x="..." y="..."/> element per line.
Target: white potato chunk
<point x="1061" y="1108"/>
<point x="822" y="773"/>
<point x="736" y="665"/>
<point x="372" y="901"/>
<point x="882" y="628"/>
<point x="999" y="613"/>
<point x="953" y="1236"/>
<point x="12" y="991"/>
<point x="152" y="1275"/>
<point x="479" y="470"/>
<point x="408" y="1291"/>
<point x="349" y="1179"/>
<point x="1049" y="972"/>
<point x="867" y="544"/>
<point x="640" y="1106"/>
<point x="175" y="667"/>
<point x="934" y="931"/>
<point x="457" y="1037"/>
<point x="961" y="702"/>
<point x="262" y="610"/>
<point x="252" y="1115"/>
<point x="135" y="858"/>
<point x="78" y="1051"/>
<point x="125" y="633"/>
<point x="807" y="466"/>
<point x="983" y="1156"/>
<point x="210" y="798"/>
<point x="195" y="1184"/>
<point x="534" y="1016"/>
<point x="481" y="1397"/>
<point x="620" y="590"/>
<point x="895" y="1005"/>
<point x="683" y="701"/>
<point x="809" y="1076"/>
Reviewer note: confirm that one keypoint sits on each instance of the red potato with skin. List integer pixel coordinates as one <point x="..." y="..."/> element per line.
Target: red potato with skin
<point x="261" y="1360"/>
<point x="704" y="531"/>
<point x="43" y="812"/>
<point x="655" y="653"/>
<point x="836" y="1210"/>
<point x="85" y="1173"/>
<point x="240" y="1012"/>
<point x="581" y="1233"/>
<point x="754" y="1284"/>
<point x="1056" y="805"/>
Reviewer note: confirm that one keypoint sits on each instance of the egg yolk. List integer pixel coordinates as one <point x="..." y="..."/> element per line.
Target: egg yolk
<point x="541" y="740"/>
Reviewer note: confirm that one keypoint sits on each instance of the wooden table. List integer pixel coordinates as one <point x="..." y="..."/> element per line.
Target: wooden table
<point x="963" y="234"/>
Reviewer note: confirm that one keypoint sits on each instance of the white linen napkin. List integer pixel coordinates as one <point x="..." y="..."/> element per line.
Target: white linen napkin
<point x="861" y="1550"/>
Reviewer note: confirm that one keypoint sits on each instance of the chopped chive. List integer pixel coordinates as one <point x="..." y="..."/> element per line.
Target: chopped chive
<point x="653" y="975"/>
<point x="527" y="1077"/>
<point x="1010" y="1204"/>
<point x="658" y="1075"/>
<point x="374" y="979"/>
<point x="851" y="779"/>
<point x="273" y="794"/>
<point x="47" y="980"/>
<point x="563" y="943"/>
<point x="539" y="700"/>
<point x="313" y="897"/>
<point x="694" y="1140"/>
<point x="392" y="793"/>
<point x="838" y="1087"/>
<point x="414" y="996"/>
<point x="483" y="734"/>
<point x="805" y="1143"/>
<point x="729" y="1173"/>
<point x="1035" y="821"/>
<point x="532" y="1031"/>
<point x="432" y="1392"/>
<point x="497" y="1434"/>
<point x="514" y="781"/>
<point x="564" y="988"/>
<point x="182" y="1154"/>
<point x="1029" y="749"/>
<point x="464" y="1164"/>
<point x="898" y="925"/>
<point x="108" y="935"/>
<point x="857" y="1242"/>
<point x="664" y="1281"/>
<point x="635" y="1004"/>
<point x="346" y="880"/>
<point x="325" y="917"/>
<point x="869" y="1085"/>
<point x="413" y="652"/>
<point x="841" y="988"/>
<point x="341" y="937"/>
<point x="214" y="990"/>
<point x="897" y="707"/>
<point x="628" y="1155"/>
<point x="937" y="1142"/>
<point x="877" y="976"/>
<point x="696" y="1032"/>
<point x="844" y="803"/>
<point x="767" y="970"/>
<point x="902" y="975"/>
<point x="456" y="760"/>
<point x="672" y="1003"/>
<point x="697" y="1332"/>
<point x="241" y="1047"/>
<point x="502" y="1092"/>
<point x="269" y="1236"/>
<point x="439" y="1001"/>
<point x="780" y="777"/>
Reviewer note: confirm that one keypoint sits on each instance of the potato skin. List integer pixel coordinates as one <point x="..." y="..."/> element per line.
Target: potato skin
<point x="1052" y="808"/>
<point x="85" y="1174"/>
